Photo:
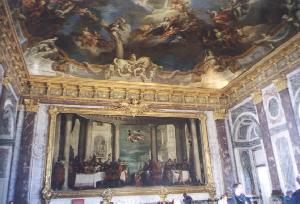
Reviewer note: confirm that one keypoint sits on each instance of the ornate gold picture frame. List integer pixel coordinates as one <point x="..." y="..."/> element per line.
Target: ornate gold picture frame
<point x="127" y="110"/>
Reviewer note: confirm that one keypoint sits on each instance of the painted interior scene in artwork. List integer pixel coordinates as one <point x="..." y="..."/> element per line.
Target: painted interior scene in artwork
<point x="119" y="151"/>
<point x="203" y="43"/>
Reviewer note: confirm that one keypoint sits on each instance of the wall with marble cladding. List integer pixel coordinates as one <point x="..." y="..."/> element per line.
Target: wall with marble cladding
<point x="216" y="158"/>
<point x="38" y="155"/>
<point x="294" y="92"/>
<point x="278" y="119"/>
<point x="8" y="124"/>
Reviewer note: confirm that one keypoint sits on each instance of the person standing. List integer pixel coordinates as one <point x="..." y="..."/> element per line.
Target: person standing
<point x="296" y="194"/>
<point x="287" y="199"/>
<point x="239" y="196"/>
<point x="187" y="199"/>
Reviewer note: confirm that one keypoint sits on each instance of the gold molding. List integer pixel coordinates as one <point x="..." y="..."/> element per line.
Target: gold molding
<point x="134" y="107"/>
<point x="256" y="96"/>
<point x="280" y="83"/>
<point x="220" y="114"/>
<point x="208" y="168"/>
<point x="49" y="194"/>
<point x="31" y="105"/>
<point x="107" y="196"/>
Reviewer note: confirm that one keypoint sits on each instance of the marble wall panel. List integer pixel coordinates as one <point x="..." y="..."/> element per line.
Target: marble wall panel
<point x="272" y="106"/>
<point x="38" y="155"/>
<point x="216" y="158"/>
<point x="22" y="187"/>
<point x="265" y="135"/>
<point x="227" y="170"/>
<point x="291" y="124"/>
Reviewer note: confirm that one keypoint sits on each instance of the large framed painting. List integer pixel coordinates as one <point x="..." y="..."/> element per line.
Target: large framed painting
<point x="91" y="150"/>
<point x="5" y="162"/>
<point x="8" y="113"/>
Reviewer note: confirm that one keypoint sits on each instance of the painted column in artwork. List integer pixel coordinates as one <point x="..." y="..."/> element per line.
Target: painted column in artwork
<point x="57" y="138"/>
<point x="82" y="138"/>
<point x="281" y="86"/>
<point x="1" y="79"/>
<point x="179" y="154"/>
<point x="266" y="138"/>
<point x="195" y="150"/>
<point x="116" y="147"/>
<point x="227" y="171"/>
<point x="183" y="141"/>
<point x="89" y="141"/>
<point x="67" y="146"/>
<point x="153" y="142"/>
<point x="16" y="155"/>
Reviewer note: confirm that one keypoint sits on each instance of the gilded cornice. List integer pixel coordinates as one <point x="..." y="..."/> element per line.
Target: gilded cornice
<point x="10" y="51"/>
<point x="89" y="91"/>
<point x="282" y="60"/>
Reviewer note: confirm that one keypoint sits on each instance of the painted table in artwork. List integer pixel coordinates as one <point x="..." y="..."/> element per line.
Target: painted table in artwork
<point x="180" y="176"/>
<point x="89" y="180"/>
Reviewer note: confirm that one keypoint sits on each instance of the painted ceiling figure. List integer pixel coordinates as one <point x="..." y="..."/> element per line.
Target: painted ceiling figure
<point x="96" y="34"/>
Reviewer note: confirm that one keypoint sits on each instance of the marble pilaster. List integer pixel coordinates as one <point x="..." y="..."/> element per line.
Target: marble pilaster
<point x="214" y="148"/>
<point x="227" y="170"/>
<point x="38" y="152"/>
<point x="291" y="123"/>
<point x="22" y="188"/>
<point x="265" y="134"/>
<point x="16" y="155"/>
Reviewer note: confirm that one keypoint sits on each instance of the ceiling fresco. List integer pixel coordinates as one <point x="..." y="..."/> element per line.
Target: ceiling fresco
<point x="203" y="43"/>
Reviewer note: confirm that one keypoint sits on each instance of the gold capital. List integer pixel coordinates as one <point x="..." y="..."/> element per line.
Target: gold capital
<point x="219" y="114"/>
<point x="53" y="111"/>
<point x="280" y="83"/>
<point x="256" y="96"/>
<point x="31" y="105"/>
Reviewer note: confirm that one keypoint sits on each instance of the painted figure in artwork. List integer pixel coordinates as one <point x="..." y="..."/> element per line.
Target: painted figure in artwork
<point x="102" y="34"/>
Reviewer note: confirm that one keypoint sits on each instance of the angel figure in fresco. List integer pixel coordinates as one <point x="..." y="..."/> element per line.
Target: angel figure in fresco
<point x="119" y="30"/>
<point x="135" y="136"/>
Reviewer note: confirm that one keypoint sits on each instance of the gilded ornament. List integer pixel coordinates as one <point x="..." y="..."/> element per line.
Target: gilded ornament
<point x="31" y="105"/>
<point x="107" y="196"/>
<point x="134" y="107"/>
<point x="220" y="114"/>
<point x="280" y="83"/>
<point x="163" y="194"/>
<point x="256" y="96"/>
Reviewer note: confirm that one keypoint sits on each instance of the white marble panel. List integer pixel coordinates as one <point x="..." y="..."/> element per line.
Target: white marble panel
<point x="273" y="106"/>
<point x="215" y="153"/>
<point x="38" y="155"/>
